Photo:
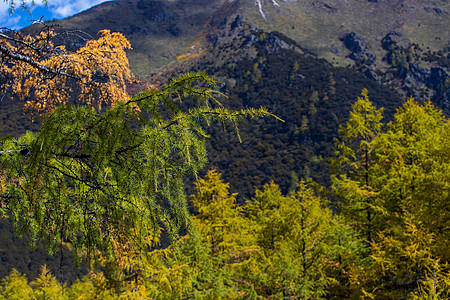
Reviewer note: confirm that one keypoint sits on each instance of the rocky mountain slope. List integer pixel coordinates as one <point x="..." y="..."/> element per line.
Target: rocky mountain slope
<point x="402" y="43"/>
<point x="318" y="25"/>
<point x="170" y="27"/>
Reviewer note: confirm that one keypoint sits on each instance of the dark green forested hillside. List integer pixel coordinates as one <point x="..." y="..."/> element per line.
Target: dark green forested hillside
<point x="311" y="96"/>
<point x="15" y="252"/>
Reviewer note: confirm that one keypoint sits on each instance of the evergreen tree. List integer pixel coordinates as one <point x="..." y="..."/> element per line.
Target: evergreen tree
<point x="408" y="179"/>
<point x="220" y="220"/>
<point x="413" y="167"/>
<point x="224" y="228"/>
<point x="353" y="163"/>
<point x="413" y="172"/>
<point x="47" y="287"/>
<point x="304" y="248"/>
<point x="15" y="287"/>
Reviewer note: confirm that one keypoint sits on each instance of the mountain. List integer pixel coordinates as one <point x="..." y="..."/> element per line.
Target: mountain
<point x="161" y="30"/>
<point x="306" y="61"/>
<point x="319" y="25"/>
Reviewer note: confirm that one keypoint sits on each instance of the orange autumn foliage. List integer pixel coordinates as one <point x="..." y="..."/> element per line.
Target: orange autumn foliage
<point x="47" y="76"/>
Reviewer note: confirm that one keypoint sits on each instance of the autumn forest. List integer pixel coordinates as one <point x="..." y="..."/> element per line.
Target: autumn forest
<point x="117" y="175"/>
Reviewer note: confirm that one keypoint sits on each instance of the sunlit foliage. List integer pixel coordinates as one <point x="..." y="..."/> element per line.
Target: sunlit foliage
<point x="47" y="76"/>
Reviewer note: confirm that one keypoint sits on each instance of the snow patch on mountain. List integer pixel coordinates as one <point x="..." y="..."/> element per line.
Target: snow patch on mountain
<point x="258" y="3"/>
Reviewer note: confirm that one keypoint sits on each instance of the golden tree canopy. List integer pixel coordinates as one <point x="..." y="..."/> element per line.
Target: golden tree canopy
<point x="47" y="76"/>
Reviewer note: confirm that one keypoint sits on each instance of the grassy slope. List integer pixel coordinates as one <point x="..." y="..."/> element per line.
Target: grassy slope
<point x="159" y="31"/>
<point x="317" y="25"/>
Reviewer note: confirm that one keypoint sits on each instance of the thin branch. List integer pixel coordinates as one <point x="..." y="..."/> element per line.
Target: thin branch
<point x="8" y="53"/>
<point x="18" y="41"/>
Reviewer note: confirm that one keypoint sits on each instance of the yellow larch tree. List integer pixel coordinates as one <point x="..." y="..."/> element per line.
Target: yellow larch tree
<point x="47" y="76"/>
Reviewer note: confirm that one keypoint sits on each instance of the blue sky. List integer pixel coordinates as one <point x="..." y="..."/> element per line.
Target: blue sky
<point x="56" y="9"/>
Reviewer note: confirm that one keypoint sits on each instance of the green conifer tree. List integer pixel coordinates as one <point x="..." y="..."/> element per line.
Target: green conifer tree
<point x="15" y="287"/>
<point x="408" y="179"/>
<point x="108" y="180"/>
<point x="353" y="164"/>
<point x="304" y="248"/>
<point x="47" y="287"/>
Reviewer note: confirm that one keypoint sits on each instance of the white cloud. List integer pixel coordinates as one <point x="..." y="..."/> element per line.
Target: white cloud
<point x="67" y="8"/>
<point x="6" y="19"/>
<point x="12" y="21"/>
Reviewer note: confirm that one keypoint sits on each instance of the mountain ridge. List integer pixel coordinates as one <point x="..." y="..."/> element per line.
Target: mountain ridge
<point x="169" y="28"/>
